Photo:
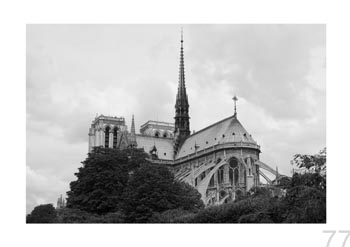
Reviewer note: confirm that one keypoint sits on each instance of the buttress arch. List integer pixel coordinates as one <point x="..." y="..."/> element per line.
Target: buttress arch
<point x="203" y="185"/>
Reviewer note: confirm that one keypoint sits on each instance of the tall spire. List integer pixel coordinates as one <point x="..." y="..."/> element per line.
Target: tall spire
<point x="133" y="125"/>
<point x="181" y="98"/>
<point x="182" y="119"/>
<point x="133" y="142"/>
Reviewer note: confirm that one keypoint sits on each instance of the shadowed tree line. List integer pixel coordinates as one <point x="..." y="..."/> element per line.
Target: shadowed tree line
<point x="116" y="186"/>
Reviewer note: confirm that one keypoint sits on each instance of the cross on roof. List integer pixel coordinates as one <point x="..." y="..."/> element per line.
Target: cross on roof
<point x="235" y="100"/>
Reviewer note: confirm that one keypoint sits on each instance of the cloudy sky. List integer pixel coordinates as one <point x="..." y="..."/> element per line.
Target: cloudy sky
<point x="77" y="71"/>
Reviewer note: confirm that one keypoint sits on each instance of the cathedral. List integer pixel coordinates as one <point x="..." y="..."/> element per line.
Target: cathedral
<point x="220" y="161"/>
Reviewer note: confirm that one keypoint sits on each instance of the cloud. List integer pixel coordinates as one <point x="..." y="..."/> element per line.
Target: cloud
<point x="266" y="64"/>
<point x="42" y="188"/>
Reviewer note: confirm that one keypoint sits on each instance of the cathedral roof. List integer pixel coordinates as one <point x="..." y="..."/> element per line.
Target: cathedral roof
<point x="228" y="130"/>
<point x="164" y="146"/>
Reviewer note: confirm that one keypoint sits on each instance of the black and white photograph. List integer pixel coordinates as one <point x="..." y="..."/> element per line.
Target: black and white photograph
<point x="176" y="123"/>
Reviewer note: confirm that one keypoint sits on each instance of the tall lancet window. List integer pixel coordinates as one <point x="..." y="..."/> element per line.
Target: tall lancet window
<point x="230" y="175"/>
<point x="107" y="137"/>
<point x="221" y="175"/>
<point x="234" y="175"/>
<point x="115" y="133"/>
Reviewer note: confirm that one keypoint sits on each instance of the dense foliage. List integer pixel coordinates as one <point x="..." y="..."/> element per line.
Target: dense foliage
<point x="45" y="213"/>
<point x="71" y="215"/>
<point x="153" y="189"/>
<point x="102" y="179"/>
<point x="125" y="183"/>
<point x="316" y="162"/>
<point x="124" y="187"/>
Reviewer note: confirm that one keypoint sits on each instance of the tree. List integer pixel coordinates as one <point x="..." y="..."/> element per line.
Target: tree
<point x="306" y="198"/>
<point x="305" y="205"/>
<point x="314" y="180"/>
<point x="153" y="189"/>
<point x="102" y="179"/>
<point x="316" y="162"/>
<point x="187" y="197"/>
<point x="45" y="213"/>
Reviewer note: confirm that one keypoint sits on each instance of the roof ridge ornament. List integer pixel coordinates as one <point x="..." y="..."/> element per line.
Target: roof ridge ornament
<point x="235" y="99"/>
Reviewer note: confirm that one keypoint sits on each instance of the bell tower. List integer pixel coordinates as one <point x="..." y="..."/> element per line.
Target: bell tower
<point x="182" y="119"/>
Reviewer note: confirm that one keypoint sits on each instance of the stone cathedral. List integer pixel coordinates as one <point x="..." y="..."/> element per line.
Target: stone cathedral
<point x="220" y="160"/>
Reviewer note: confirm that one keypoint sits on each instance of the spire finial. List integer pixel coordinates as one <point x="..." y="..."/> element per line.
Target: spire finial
<point x="181" y="95"/>
<point x="182" y="35"/>
<point x="235" y="100"/>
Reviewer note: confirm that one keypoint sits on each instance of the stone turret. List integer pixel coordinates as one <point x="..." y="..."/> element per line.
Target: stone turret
<point x="61" y="202"/>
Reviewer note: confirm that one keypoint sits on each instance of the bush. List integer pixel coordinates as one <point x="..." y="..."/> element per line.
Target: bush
<point x="71" y="215"/>
<point x="153" y="189"/>
<point x="258" y="217"/>
<point x="45" y="213"/>
<point x="172" y="216"/>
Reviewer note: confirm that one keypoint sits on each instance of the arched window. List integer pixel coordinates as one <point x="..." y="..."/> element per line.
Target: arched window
<point x="156" y="134"/>
<point x="221" y="175"/>
<point x="115" y="136"/>
<point x="165" y="135"/>
<point x="236" y="177"/>
<point x="107" y="136"/>
<point x="211" y="182"/>
<point x="234" y="171"/>
<point x="230" y="175"/>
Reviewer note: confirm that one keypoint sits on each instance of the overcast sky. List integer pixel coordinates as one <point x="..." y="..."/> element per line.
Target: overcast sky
<point x="76" y="71"/>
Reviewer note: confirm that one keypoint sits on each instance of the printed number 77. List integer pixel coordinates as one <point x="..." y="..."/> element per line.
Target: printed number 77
<point x="332" y="235"/>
